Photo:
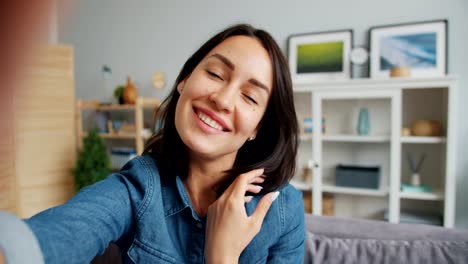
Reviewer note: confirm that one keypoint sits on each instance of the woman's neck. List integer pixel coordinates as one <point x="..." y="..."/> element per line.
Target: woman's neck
<point x="201" y="182"/>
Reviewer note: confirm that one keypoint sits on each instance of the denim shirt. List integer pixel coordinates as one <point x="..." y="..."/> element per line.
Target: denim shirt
<point x="152" y="220"/>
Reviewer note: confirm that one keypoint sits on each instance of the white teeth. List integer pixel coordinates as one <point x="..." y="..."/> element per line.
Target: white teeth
<point x="207" y="120"/>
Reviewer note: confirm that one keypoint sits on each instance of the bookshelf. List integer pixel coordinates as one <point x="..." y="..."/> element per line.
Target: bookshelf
<point x="392" y="104"/>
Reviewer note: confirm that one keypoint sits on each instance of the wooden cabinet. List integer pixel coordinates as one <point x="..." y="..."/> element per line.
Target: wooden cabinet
<point x="134" y="115"/>
<point x="38" y="149"/>
<point x="392" y="104"/>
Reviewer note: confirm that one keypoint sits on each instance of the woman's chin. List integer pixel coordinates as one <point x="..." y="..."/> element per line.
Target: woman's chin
<point x="209" y="151"/>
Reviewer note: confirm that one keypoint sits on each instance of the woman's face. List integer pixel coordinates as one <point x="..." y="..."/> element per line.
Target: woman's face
<point x="223" y="100"/>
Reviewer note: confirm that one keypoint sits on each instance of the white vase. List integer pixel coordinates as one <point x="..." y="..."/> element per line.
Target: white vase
<point x="415" y="179"/>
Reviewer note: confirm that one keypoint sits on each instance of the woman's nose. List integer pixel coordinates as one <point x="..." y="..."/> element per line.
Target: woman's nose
<point x="224" y="98"/>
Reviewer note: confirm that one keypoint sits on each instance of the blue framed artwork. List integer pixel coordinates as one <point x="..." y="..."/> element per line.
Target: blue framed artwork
<point x="422" y="47"/>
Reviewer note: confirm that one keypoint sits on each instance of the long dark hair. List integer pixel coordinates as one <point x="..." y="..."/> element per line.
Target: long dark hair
<point x="275" y="145"/>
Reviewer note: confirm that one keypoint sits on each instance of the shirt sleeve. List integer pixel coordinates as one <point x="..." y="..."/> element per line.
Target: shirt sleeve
<point x="290" y="247"/>
<point x="83" y="227"/>
<point x="17" y="242"/>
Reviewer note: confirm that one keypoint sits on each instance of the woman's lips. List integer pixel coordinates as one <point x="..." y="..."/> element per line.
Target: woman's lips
<point x="211" y="120"/>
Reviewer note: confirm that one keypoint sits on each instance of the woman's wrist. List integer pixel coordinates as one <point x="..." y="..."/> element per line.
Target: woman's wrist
<point x="222" y="260"/>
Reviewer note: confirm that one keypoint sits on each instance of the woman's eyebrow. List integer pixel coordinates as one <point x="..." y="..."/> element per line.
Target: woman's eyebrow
<point x="231" y="66"/>
<point x="224" y="60"/>
<point x="260" y="85"/>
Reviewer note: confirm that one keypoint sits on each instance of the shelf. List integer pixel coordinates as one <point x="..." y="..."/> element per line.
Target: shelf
<point x="356" y="138"/>
<point x="114" y="135"/>
<point x="150" y="105"/>
<point x="94" y="105"/>
<point x="305" y="186"/>
<point x="354" y="191"/>
<point x="304" y="137"/>
<point x="432" y="196"/>
<point x="300" y="185"/>
<point x="116" y="107"/>
<point x="119" y="135"/>
<point x="374" y="84"/>
<point x="348" y="138"/>
<point x="423" y="140"/>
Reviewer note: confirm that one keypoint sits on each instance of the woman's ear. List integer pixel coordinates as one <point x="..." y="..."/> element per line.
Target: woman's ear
<point x="253" y="136"/>
<point x="180" y="86"/>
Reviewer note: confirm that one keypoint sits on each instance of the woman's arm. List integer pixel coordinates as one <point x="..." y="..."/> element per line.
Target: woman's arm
<point x="82" y="228"/>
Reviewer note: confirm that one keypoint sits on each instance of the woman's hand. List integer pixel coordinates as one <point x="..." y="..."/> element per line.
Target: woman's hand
<point x="229" y="228"/>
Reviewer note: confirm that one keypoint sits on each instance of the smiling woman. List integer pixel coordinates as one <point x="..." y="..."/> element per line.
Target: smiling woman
<point x="212" y="184"/>
<point x="220" y="108"/>
<point x="275" y="144"/>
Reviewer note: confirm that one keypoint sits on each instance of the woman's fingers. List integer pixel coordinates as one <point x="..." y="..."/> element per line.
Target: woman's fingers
<point x="242" y="182"/>
<point x="248" y="199"/>
<point x="259" y="179"/>
<point x="254" y="188"/>
<point x="262" y="208"/>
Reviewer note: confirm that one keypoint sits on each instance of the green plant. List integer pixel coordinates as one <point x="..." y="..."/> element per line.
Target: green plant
<point x="118" y="92"/>
<point x="93" y="163"/>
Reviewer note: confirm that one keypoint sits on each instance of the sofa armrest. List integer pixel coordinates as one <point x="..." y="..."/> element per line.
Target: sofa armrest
<point x="339" y="240"/>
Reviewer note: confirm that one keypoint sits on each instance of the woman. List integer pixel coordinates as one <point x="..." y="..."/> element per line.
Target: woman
<point x="212" y="184"/>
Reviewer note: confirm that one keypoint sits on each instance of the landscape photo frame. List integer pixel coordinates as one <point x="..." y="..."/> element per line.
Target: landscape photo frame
<point x="320" y="56"/>
<point x="421" y="47"/>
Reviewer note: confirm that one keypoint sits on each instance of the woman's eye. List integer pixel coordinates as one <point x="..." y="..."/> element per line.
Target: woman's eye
<point x="214" y="75"/>
<point x="250" y="99"/>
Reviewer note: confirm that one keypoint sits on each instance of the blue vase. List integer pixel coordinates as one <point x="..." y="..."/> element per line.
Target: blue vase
<point x="363" y="122"/>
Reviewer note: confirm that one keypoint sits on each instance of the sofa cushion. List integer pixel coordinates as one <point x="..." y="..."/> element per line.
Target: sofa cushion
<point x="339" y="240"/>
<point x="341" y="250"/>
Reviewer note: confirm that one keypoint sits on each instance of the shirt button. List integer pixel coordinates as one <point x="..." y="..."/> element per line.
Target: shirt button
<point x="199" y="225"/>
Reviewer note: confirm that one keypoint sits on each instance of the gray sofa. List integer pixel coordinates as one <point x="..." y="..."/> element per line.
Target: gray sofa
<point x="338" y="240"/>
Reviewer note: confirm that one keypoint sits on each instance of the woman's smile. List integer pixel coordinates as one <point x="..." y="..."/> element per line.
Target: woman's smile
<point x="209" y="122"/>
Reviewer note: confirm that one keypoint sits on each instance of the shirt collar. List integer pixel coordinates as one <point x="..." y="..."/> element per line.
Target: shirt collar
<point x="176" y="199"/>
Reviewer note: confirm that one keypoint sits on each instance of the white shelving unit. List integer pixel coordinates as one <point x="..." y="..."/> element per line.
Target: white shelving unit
<point x="392" y="104"/>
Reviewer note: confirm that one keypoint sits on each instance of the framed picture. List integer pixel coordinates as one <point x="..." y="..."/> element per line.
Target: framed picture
<point x="320" y="56"/>
<point x="422" y="47"/>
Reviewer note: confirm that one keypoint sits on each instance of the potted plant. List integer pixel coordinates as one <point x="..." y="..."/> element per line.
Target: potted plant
<point x="118" y="93"/>
<point x="93" y="163"/>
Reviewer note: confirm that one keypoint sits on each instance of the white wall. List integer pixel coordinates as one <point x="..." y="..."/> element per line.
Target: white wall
<point x="139" y="37"/>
